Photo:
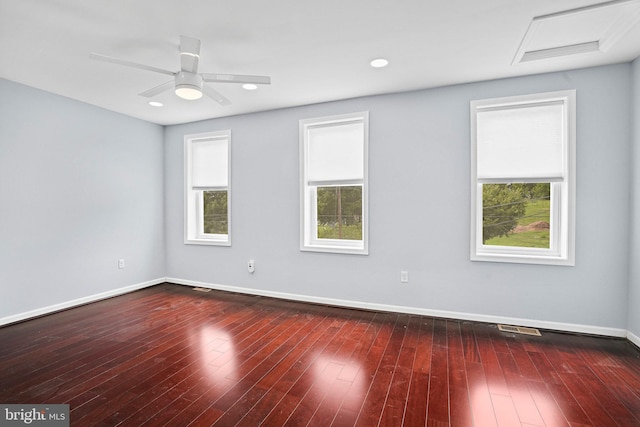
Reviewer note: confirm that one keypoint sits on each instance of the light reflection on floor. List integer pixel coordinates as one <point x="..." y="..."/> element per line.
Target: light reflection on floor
<point x="517" y="405"/>
<point x="339" y="381"/>
<point x="217" y="353"/>
<point x="335" y="381"/>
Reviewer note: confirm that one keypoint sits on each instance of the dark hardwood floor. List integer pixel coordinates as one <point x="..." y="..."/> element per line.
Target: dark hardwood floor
<point x="171" y="356"/>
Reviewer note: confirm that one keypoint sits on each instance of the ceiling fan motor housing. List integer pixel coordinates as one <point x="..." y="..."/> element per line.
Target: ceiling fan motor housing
<point x="189" y="85"/>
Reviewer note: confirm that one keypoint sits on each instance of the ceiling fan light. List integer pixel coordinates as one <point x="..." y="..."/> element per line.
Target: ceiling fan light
<point x="189" y="86"/>
<point x="188" y="92"/>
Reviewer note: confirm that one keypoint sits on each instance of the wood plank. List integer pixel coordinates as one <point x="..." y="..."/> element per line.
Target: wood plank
<point x="323" y="373"/>
<point x="549" y="410"/>
<point x="305" y="374"/>
<point x="521" y="397"/>
<point x="373" y="405"/>
<point x="394" y="408"/>
<point x="278" y="382"/>
<point x="417" y="400"/>
<point x="480" y="397"/>
<point x="438" y="400"/>
<point x="459" y="404"/>
<point x="486" y="338"/>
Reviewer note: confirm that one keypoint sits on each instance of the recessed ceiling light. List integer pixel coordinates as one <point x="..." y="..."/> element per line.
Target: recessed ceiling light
<point x="379" y="63"/>
<point x="156" y="104"/>
<point x="249" y="86"/>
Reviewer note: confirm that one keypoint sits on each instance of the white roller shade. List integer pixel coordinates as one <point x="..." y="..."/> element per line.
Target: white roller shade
<point x="521" y="142"/>
<point x="336" y="152"/>
<point x="210" y="163"/>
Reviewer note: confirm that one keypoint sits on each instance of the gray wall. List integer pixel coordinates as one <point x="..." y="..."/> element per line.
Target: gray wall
<point x="634" y="280"/>
<point x="80" y="187"/>
<point x="419" y="207"/>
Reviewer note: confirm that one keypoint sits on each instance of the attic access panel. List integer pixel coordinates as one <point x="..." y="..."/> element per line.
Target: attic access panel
<point x="588" y="29"/>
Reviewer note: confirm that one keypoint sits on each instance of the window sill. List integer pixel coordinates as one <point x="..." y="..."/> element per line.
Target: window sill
<point x="207" y="242"/>
<point x="524" y="259"/>
<point x="335" y="249"/>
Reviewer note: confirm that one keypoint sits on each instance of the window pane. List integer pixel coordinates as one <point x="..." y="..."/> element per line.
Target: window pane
<point x="340" y="212"/>
<point x="516" y="215"/>
<point x="215" y="210"/>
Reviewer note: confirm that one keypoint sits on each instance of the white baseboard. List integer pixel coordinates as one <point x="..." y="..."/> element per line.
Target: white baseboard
<point x="534" y="323"/>
<point x="543" y="324"/>
<point x="80" y="301"/>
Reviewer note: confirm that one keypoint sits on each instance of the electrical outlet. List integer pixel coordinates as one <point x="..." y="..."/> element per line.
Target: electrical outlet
<point x="121" y="263"/>
<point x="251" y="266"/>
<point x="404" y="276"/>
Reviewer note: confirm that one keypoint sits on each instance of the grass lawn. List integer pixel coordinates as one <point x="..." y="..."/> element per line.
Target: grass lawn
<point x="527" y="239"/>
<point x="537" y="210"/>
<point x="349" y="232"/>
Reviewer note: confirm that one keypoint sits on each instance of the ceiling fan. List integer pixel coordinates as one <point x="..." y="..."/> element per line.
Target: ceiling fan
<point x="187" y="82"/>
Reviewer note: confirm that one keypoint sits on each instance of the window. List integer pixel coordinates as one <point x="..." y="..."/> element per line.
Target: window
<point x="333" y="159"/>
<point x="523" y="179"/>
<point x="207" y="188"/>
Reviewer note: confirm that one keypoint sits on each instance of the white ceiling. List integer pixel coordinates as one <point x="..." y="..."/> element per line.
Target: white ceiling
<point x="314" y="51"/>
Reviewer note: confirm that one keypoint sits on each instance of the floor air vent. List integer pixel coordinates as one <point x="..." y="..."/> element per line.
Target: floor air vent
<point x="202" y="289"/>
<point x="519" y="330"/>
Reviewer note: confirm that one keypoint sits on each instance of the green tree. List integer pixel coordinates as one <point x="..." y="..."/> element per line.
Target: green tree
<point x="215" y="212"/>
<point x="538" y="190"/>
<point x="502" y="206"/>
<point x="340" y="212"/>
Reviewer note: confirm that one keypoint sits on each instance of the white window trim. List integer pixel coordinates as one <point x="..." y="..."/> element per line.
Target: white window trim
<point x="308" y="212"/>
<point x="563" y="194"/>
<point x="193" y="227"/>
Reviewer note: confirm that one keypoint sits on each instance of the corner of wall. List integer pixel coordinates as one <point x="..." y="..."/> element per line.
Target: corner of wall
<point x="633" y="309"/>
<point x="164" y="201"/>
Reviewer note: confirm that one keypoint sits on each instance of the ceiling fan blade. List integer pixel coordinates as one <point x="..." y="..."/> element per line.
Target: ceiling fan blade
<point x="236" y="78"/>
<point x="158" y="89"/>
<point x="189" y="54"/>
<point x="126" y="63"/>
<point x="215" y="95"/>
